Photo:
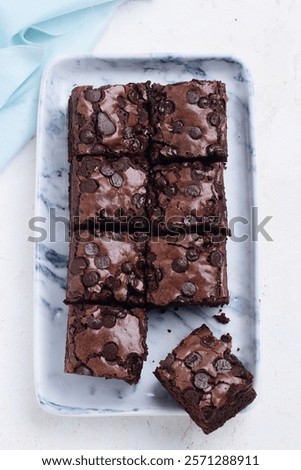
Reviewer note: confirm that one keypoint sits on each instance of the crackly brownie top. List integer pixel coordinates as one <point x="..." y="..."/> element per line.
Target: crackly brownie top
<point x="106" y="266"/>
<point x="106" y="341"/>
<point x="187" y="269"/>
<point x="188" y="193"/>
<point x="203" y="369"/>
<point x="110" y="119"/>
<point x="189" y="120"/>
<point x="108" y="189"/>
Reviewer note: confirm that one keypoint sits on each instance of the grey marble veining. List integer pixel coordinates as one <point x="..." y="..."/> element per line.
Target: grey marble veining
<point x="76" y="395"/>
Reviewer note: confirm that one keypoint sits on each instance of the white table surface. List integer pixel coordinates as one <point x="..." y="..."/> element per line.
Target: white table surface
<point x="266" y="36"/>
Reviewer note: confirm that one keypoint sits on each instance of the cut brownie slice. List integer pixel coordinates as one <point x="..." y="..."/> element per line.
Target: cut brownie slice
<point x="106" y="267"/>
<point x="110" y="119"/>
<point x="209" y="382"/>
<point x="109" y="190"/>
<point x="189" y="120"/>
<point x="106" y="341"/>
<point x="187" y="269"/>
<point x="189" y="194"/>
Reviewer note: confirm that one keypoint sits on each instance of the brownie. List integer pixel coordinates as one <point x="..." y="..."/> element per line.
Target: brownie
<point x="189" y="194"/>
<point x="209" y="382"/>
<point x="105" y="267"/>
<point x="189" y="120"/>
<point x="187" y="269"/>
<point x="109" y="190"/>
<point x="106" y="341"/>
<point x="111" y="119"/>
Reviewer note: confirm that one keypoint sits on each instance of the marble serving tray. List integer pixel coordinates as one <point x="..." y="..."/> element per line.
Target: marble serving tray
<point x="73" y="395"/>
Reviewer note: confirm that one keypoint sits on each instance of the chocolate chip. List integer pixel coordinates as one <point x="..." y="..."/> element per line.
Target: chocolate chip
<point x="123" y="115"/>
<point x="197" y="174"/>
<point x="109" y="320"/>
<point x="88" y="186"/>
<point x="109" y="351"/>
<point x="116" y="180"/>
<point x="102" y="261"/>
<point x="193" y="359"/>
<point x="189" y="289"/>
<point x="134" y="364"/>
<point x="87" y="136"/>
<point x="214" y="150"/>
<point x="98" y="149"/>
<point x="159" y="274"/>
<point x="133" y="96"/>
<point x="137" y="284"/>
<point x="90" y="278"/>
<point x="192" y="396"/>
<point x="193" y="96"/>
<point x="170" y="191"/>
<point x="200" y="380"/>
<point x="91" y="249"/>
<point x="78" y="265"/>
<point x="214" y="119"/>
<point x="127" y="268"/>
<point x="152" y="285"/>
<point x="177" y="127"/>
<point x="216" y="259"/>
<point x="83" y="370"/>
<point x="121" y="313"/>
<point x="194" y="132"/>
<point x="166" y="107"/>
<point x="136" y="144"/>
<point x="94" y="323"/>
<point x="223" y="366"/>
<point x="204" y="102"/>
<point x="128" y="132"/>
<point x="113" y="282"/>
<point x="121" y="101"/>
<point x="106" y="169"/>
<point x="192" y="190"/>
<point x="93" y="95"/>
<point x="192" y="254"/>
<point x="105" y="126"/>
<point x="138" y="200"/>
<point x="179" y="265"/>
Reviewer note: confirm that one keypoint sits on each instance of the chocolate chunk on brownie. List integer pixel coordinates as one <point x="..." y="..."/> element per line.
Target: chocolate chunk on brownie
<point x="209" y="382"/>
<point x="189" y="120"/>
<point x="106" y="267"/>
<point x="187" y="269"/>
<point x="109" y="190"/>
<point x="189" y="194"/>
<point x="106" y="341"/>
<point x="111" y="119"/>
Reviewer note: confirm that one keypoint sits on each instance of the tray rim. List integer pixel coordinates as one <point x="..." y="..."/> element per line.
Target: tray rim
<point x="53" y="408"/>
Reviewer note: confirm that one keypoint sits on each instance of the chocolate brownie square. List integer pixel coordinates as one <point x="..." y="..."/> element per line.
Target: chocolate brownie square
<point x="111" y="119"/>
<point x="189" y="194"/>
<point x="187" y="269"/>
<point x="189" y="120"/>
<point x="106" y="267"/>
<point x="106" y="341"/>
<point x="209" y="382"/>
<point x="109" y="190"/>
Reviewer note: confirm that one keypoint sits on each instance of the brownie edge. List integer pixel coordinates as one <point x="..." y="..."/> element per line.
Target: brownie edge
<point x="206" y="380"/>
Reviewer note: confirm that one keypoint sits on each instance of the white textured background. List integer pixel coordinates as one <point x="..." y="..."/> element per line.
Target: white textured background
<point x="267" y="38"/>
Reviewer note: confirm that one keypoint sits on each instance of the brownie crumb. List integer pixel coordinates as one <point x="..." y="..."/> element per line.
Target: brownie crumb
<point x="227" y="338"/>
<point x="222" y="318"/>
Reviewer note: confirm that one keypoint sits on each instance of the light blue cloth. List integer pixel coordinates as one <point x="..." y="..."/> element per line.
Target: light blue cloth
<point x="31" y="33"/>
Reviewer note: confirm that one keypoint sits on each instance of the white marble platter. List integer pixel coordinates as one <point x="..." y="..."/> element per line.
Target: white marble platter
<point x="73" y="395"/>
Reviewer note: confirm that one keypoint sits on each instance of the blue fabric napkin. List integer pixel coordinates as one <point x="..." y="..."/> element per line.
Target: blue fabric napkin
<point x="31" y="33"/>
